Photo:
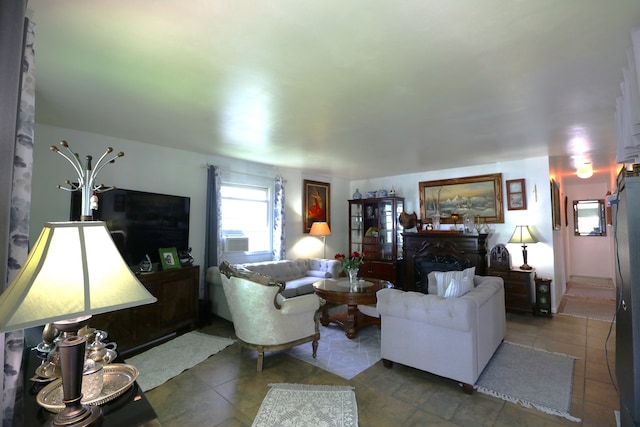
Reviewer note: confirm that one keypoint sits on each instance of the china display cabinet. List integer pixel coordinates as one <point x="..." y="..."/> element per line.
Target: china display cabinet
<point x="374" y="228"/>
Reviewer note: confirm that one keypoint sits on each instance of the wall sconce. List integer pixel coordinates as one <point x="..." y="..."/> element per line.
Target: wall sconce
<point x="321" y="229"/>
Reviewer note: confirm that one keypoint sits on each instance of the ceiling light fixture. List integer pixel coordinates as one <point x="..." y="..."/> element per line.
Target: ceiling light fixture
<point x="585" y="170"/>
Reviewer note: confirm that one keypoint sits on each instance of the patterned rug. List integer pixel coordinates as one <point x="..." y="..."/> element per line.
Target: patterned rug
<point x="532" y="378"/>
<point x="163" y="362"/>
<point x="338" y="354"/>
<point x="308" y="405"/>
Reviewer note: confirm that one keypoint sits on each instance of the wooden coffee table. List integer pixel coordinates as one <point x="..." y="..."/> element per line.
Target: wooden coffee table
<point x="342" y="292"/>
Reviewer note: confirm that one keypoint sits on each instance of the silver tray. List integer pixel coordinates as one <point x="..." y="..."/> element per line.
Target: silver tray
<point x="118" y="377"/>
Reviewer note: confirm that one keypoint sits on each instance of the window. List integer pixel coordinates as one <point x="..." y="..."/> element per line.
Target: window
<point x="246" y="218"/>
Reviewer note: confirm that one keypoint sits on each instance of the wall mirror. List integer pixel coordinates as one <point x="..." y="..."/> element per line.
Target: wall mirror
<point x="589" y="218"/>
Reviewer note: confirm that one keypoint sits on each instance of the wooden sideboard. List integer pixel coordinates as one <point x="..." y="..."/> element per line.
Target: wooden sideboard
<point x="177" y="308"/>
<point x="517" y="288"/>
<point x="463" y="246"/>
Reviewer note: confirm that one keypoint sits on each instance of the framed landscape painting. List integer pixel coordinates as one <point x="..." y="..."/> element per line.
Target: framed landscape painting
<point x="316" y="198"/>
<point x="477" y="196"/>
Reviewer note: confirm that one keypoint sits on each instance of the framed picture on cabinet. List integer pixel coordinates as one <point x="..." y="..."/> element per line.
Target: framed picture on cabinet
<point x="169" y="258"/>
<point x="316" y="198"/>
<point x="516" y="195"/>
<point x="477" y="196"/>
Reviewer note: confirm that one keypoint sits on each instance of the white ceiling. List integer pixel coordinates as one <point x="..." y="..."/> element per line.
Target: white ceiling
<point x="348" y="88"/>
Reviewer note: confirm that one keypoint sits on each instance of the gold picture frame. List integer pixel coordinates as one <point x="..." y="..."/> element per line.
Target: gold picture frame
<point x="556" y="220"/>
<point x="316" y="203"/>
<point x="478" y="196"/>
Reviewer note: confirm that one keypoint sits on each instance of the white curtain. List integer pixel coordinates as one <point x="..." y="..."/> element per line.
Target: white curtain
<point x="279" y="220"/>
<point x="12" y="343"/>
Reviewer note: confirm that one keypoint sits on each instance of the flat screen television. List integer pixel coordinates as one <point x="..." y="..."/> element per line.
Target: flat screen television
<point x="140" y="223"/>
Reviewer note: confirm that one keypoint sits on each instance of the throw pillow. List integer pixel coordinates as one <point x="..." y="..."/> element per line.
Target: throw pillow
<point x="457" y="288"/>
<point x="443" y="278"/>
<point x="319" y="273"/>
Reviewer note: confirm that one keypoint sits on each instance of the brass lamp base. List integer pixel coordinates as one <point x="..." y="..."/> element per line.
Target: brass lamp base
<point x="526" y="267"/>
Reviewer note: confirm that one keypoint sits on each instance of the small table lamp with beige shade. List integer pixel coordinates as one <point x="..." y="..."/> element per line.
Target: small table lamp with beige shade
<point x="522" y="235"/>
<point x="73" y="271"/>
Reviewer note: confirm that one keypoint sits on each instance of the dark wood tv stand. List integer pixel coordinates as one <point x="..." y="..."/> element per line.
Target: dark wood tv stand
<point x="135" y="329"/>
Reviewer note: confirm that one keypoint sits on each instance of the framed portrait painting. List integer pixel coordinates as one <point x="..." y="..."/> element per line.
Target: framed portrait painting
<point x="316" y="204"/>
<point x="516" y="195"/>
<point x="477" y="196"/>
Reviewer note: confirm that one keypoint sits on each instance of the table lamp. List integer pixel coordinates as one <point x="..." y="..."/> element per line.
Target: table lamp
<point x="321" y="228"/>
<point x="523" y="235"/>
<point x="74" y="270"/>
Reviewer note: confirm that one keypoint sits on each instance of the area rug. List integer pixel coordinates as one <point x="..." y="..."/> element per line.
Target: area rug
<point x="590" y="309"/>
<point x="532" y="378"/>
<point x="308" y="405"/>
<point x="340" y="355"/>
<point x="163" y="362"/>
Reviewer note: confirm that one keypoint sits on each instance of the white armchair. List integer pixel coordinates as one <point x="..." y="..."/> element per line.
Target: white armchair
<point x="263" y="319"/>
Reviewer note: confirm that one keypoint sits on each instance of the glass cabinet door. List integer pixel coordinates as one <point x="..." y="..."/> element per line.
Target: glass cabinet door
<point x="356" y="224"/>
<point x="387" y="231"/>
<point x="399" y="228"/>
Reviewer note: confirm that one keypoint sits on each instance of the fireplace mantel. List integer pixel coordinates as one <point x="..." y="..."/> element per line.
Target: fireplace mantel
<point x="442" y="244"/>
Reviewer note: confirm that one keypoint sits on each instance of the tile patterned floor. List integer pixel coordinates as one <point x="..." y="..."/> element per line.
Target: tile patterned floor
<point x="225" y="390"/>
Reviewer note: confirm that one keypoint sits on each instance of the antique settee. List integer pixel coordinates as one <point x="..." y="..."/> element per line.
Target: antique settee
<point x="265" y="320"/>
<point x="451" y="337"/>
<point x="298" y="276"/>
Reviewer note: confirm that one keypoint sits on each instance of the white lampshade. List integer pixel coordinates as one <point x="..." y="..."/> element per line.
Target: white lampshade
<point x="522" y="235"/>
<point x="320" y="228"/>
<point x="73" y="270"/>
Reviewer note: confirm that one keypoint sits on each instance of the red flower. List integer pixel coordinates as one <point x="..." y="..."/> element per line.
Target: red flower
<point x="353" y="262"/>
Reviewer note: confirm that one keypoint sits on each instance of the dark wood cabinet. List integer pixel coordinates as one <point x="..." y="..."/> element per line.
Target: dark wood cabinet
<point x="542" y="306"/>
<point x="444" y="246"/>
<point x="374" y="228"/>
<point x="517" y="288"/>
<point x="176" y="309"/>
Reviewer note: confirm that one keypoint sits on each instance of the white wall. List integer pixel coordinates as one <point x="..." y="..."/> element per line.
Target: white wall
<point x="535" y="171"/>
<point x="158" y="169"/>
<point x="587" y="255"/>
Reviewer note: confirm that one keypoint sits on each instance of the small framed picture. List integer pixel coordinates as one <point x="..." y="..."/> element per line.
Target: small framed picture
<point x="516" y="195"/>
<point x="169" y="258"/>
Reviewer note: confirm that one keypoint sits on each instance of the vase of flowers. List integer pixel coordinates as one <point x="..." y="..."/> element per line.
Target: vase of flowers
<point x="351" y="264"/>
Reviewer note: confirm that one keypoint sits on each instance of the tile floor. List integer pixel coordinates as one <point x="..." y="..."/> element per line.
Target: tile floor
<point x="226" y="390"/>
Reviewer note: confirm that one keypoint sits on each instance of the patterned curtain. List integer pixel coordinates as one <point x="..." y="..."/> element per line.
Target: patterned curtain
<point x="213" y="242"/>
<point x="13" y="342"/>
<point x="279" y="219"/>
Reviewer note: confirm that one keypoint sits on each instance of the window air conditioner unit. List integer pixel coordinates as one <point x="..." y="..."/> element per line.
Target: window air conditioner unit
<point x="236" y="244"/>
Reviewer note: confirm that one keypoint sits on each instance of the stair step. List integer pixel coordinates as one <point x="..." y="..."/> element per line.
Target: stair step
<point x="596" y="282"/>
